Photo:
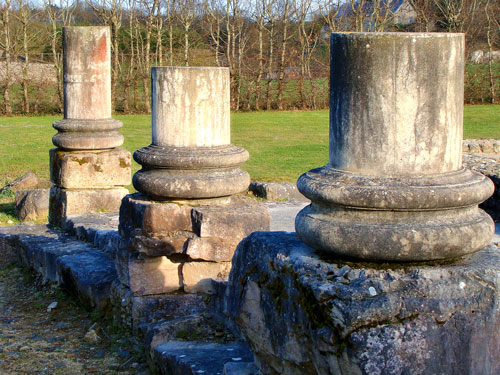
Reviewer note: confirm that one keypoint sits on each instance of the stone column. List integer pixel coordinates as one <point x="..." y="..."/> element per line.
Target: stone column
<point x="184" y="225"/>
<point x="88" y="168"/>
<point x="394" y="188"/>
<point x="190" y="155"/>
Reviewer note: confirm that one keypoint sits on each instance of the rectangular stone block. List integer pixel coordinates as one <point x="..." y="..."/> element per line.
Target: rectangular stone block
<point x="147" y="275"/>
<point x="197" y="277"/>
<point x="90" y="169"/>
<point x="208" y="232"/>
<point x="237" y="219"/>
<point x="65" y="202"/>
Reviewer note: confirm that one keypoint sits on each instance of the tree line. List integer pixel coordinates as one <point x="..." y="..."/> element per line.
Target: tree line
<point x="277" y="51"/>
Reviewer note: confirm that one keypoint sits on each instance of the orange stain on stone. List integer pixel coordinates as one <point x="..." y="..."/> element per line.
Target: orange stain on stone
<point x="100" y="53"/>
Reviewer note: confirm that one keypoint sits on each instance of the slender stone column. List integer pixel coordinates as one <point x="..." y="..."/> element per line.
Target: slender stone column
<point x="87" y="123"/>
<point x="394" y="188"/>
<point x="190" y="156"/>
<point x="88" y="168"/>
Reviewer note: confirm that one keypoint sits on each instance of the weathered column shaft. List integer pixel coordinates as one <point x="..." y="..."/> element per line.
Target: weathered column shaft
<point x="190" y="157"/>
<point x="87" y="123"/>
<point x="397" y="103"/>
<point x="190" y="107"/>
<point x="87" y="74"/>
<point x="394" y="188"/>
<point x="88" y="168"/>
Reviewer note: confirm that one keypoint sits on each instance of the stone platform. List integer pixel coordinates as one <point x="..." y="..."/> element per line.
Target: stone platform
<point x="302" y="314"/>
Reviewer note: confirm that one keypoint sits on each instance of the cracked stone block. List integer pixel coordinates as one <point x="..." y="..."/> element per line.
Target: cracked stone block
<point x="90" y="169"/>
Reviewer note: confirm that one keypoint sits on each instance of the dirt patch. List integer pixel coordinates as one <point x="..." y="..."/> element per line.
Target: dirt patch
<point x="35" y="341"/>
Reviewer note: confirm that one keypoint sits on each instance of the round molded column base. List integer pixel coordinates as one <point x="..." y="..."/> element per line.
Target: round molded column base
<point x="162" y="184"/>
<point x="76" y="134"/>
<point x="395" y="236"/>
<point x="407" y="218"/>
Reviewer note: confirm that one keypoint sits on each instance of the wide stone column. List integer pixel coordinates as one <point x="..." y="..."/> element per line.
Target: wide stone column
<point x="88" y="168"/>
<point x="394" y="188"/>
<point x="185" y="223"/>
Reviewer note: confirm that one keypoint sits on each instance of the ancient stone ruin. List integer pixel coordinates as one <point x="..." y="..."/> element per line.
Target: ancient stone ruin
<point x="394" y="190"/>
<point x="391" y="270"/>
<point x="186" y="222"/>
<point x="88" y="167"/>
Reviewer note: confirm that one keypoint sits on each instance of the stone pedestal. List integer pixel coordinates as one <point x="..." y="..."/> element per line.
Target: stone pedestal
<point x="88" y="168"/>
<point x="302" y="315"/>
<point x="394" y="188"/>
<point x="184" y="225"/>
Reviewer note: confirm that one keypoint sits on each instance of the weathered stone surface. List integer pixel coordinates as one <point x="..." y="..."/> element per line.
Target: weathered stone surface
<point x="197" y="277"/>
<point x="190" y="106"/>
<point x="485" y="146"/>
<point x="394" y="192"/>
<point x="87" y="123"/>
<point x="147" y="275"/>
<point x="25" y="182"/>
<point x="89" y="275"/>
<point x="303" y="315"/>
<point x="491" y="168"/>
<point x="238" y="219"/>
<point x="276" y="191"/>
<point x="85" y="169"/>
<point x="32" y="205"/>
<point x="190" y="156"/>
<point x="240" y="368"/>
<point x="57" y="257"/>
<point x="139" y="313"/>
<point x="191" y="358"/>
<point x="65" y="202"/>
<point x="209" y="232"/>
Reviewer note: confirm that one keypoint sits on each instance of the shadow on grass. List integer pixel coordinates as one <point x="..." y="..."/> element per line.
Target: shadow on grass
<point x="8" y="212"/>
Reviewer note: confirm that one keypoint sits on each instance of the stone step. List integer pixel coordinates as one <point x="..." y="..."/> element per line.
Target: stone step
<point x="192" y="358"/>
<point x="57" y="257"/>
<point x="241" y="368"/>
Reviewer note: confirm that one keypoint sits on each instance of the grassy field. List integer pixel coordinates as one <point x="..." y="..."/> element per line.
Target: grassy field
<point x="282" y="145"/>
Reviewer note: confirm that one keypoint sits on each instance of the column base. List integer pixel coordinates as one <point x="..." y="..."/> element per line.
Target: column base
<point x="190" y="172"/>
<point x="66" y="202"/>
<point x="78" y="134"/>
<point x="402" y="219"/>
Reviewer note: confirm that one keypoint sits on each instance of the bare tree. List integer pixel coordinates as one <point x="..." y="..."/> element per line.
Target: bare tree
<point x="214" y="18"/>
<point x="57" y="15"/>
<point x="25" y="16"/>
<point x="493" y="24"/>
<point x="286" y="10"/>
<point x="7" y="47"/>
<point x="187" y="11"/>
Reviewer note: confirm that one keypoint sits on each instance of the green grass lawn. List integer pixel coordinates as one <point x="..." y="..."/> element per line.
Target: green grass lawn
<point x="282" y="145"/>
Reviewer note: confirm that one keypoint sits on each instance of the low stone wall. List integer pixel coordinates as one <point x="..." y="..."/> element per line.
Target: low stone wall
<point x="490" y="168"/>
<point x="478" y="146"/>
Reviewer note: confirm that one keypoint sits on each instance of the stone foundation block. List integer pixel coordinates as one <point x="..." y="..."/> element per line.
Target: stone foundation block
<point x="90" y="169"/>
<point x="147" y="275"/>
<point x="32" y="205"/>
<point x="276" y="191"/>
<point x="208" y="231"/>
<point x="303" y="315"/>
<point x="139" y="312"/>
<point x="65" y="202"/>
<point x="197" y="277"/>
